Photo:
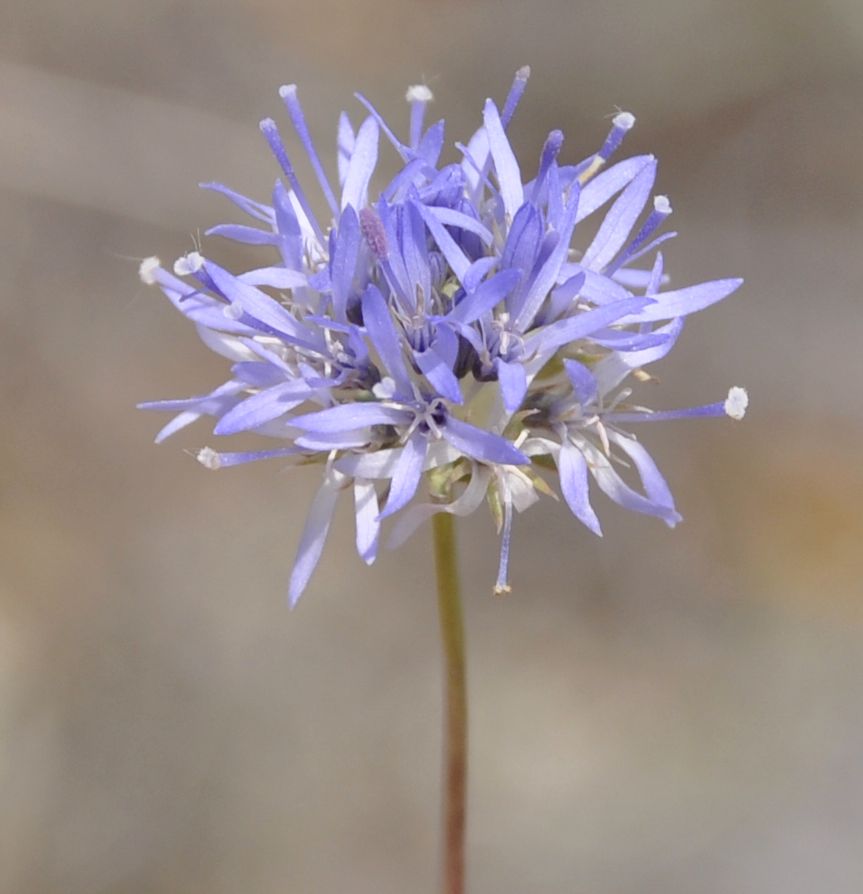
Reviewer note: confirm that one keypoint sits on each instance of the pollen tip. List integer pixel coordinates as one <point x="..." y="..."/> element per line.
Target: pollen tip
<point x="523" y="73"/>
<point x="662" y="205"/>
<point x="267" y="125"/>
<point x="209" y="458"/>
<point x="502" y="589"/>
<point x="419" y="93"/>
<point x="287" y="90"/>
<point x="188" y="264"/>
<point x="737" y="402"/>
<point x="147" y="270"/>
<point x="624" y="120"/>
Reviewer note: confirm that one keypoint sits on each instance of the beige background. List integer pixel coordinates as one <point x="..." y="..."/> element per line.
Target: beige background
<point x="662" y="711"/>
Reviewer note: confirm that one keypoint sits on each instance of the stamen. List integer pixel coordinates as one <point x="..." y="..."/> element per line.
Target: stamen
<point x="147" y="270"/>
<point x="736" y="402"/>
<point x="189" y="264"/>
<point x="515" y="94"/>
<point x="550" y="151"/>
<point x="661" y="210"/>
<point x="209" y="459"/>
<point x="373" y="231"/>
<point x="295" y="110"/>
<point x="501" y="585"/>
<point x="621" y="124"/>
<point x="271" y="132"/>
<point x="419" y="96"/>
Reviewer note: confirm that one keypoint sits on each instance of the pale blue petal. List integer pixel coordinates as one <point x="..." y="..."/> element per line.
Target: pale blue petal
<point x="361" y="166"/>
<point x="505" y="163"/>
<point x="513" y="384"/>
<point x="614" y="231"/>
<point x="387" y="341"/>
<point x="481" y="444"/>
<point x="265" y="406"/>
<point x="349" y="417"/>
<point x="368" y="526"/>
<point x="572" y="467"/>
<point x="582" y="381"/>
<point x="682" y="302"/>
<point x="406" y="474"/>
<point x="314" y="536"/>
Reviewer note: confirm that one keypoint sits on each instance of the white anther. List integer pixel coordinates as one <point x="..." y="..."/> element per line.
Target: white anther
<point x="209" y="458"/>
<point x="188" y="264"/>
<point x="661" y="205"/>
<point x="287" y="90"/>
<point x="623" y="120"/>
<point x="385" y="389"/>
<point x="419" y="93"/>
<point x="147" y="270"/>
<point x="736" y="402"/>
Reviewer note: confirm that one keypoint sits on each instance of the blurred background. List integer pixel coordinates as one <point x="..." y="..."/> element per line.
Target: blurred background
<point x="674" y="711"/>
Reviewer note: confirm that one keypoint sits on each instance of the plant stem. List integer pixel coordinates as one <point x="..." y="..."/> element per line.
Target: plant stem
<point x="455" y="716"/>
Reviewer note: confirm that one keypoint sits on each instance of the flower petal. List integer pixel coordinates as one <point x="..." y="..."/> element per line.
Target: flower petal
<point x="481" y="444"/>
<point x="572" y="467"/>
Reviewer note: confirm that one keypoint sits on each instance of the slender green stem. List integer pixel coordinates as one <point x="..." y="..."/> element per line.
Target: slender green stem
<point x="455" y="684"/>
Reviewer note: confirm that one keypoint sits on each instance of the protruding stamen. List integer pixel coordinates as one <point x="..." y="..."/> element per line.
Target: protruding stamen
<point x="661" y="210"/>
<point x="501" y="585"/>
<point x="209" y="458"/>
<point x="147" y="270"/>
<point x="550" y="151"/>
<point x="736" y="402"/>
<point x="515" y="94"/>
<point x="270" y="130"/>
<point x="419" y="96"/>
<point x="374" y="233"/>
<point x="289" y="96"/>
<point x="621" y="124"/>
<point x="189" y="264"/>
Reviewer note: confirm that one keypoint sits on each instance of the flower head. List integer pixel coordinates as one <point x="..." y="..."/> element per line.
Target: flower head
<point x="451" y="341"/>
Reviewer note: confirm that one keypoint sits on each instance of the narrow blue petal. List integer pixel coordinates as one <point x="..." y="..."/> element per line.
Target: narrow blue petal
<point x="439" y="372"/>
<point x="345" y="146"/>
<point x="314" y="536"/>
<point x="481" y="444"/>
<point x="350" y="417"/>
<point x="368" y="526"/>
<point x="213" y="460"/>
<point x="505" y="163"/>
<point x="549" y="273"/>
<point x="582" y="324"/>
<point x="258" y="210"/>
<point x="382" y="331"/>
<point x="265" y="406"/>
<point x="455" y="257"/>
<point x="407" y="474"/>
<point x="715" y="409"/>
<point x="582" y="380"/>
<point x="489" y="294"/>
<point x="343" y="263"/>
<point x="275" y="277"/>
<point x="243" y="234"/>
<point x="361" y="166"/>
<point x="295" y="110"/>
<point x="572" y="467"/>
<point x="513" y="384"/>
<point x="607" y="184"/>
<point x="614" y="231"/>
<point x="682" y="302"/>
<point x="452" y="218"/>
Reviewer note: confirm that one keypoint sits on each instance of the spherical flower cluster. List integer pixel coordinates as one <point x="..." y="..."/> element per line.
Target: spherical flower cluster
<point x="451" y="339"/>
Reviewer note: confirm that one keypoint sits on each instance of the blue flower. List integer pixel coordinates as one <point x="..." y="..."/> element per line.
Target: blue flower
<point x="451" y="336"/>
